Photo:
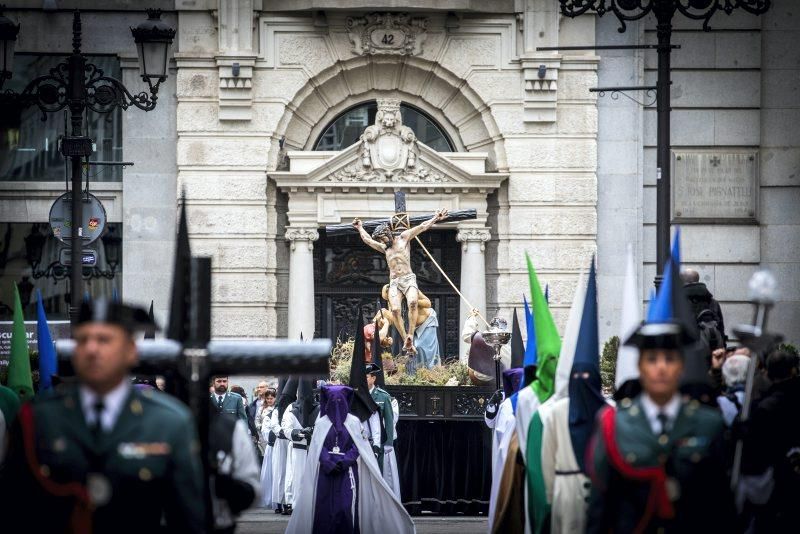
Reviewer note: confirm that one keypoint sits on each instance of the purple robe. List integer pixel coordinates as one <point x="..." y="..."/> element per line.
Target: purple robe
<point x="335" y="507"/>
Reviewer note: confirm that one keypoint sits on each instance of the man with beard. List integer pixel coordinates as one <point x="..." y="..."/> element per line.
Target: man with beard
<point x="227" y="401"/>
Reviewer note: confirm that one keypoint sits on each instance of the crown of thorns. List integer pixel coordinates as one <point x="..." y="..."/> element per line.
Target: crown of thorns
<point x="382" y="229"/>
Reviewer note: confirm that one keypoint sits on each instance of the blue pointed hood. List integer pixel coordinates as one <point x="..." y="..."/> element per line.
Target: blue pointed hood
<point x="660" y="310"/>
<point x="530" y="344"/>
<point x="585" y="387"/>
<point x="47" y="351"/>
<point x="670" y="322"/>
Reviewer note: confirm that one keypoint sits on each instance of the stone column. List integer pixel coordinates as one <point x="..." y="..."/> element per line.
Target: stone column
<point x="301" y="281"/>
<point x="473" y="274"/>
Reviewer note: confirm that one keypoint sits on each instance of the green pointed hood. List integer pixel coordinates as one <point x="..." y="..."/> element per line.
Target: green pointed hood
<point x="19" y="363"/>
<point x="548" y="344"/>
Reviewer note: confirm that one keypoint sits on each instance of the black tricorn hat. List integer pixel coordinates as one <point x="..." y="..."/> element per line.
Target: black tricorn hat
<point x="372" y="368"/>
<point x="131" y="318"/>
<point x="658" y="336"/>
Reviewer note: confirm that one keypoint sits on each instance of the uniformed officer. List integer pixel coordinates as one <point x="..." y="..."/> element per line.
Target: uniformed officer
<point x="384" y="402"/>
<point x="657" y="461"/>
<point x="100" y="455"/>
<point x="227" y="401"/>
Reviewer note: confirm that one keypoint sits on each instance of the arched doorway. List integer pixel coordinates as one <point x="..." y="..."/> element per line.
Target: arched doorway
<point x="348" y="275"/>
<point x="330" y="278"/>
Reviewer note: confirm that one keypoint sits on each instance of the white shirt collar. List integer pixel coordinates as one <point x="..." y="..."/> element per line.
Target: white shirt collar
<point x="651" y="410"/>
<point x="113" y="403"/>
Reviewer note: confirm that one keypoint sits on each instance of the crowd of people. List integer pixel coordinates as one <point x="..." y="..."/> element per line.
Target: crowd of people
<point x="106" y="451"/>
<point x="697" y="434"/>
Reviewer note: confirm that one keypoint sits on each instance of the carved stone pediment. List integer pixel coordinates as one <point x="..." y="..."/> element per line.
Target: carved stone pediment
<point x="387" y="155"/>
<point x="356" y="172"/>
<point x="387" y="33"/>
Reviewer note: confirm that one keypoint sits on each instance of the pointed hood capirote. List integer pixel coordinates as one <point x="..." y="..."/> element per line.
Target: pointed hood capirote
<point x="178" y="326"/>
<point x="548" y="343"/>
<point x="363" y="405"/>
<point x="305" y="401"/>
<point x="334" y="402"/>
<point x="517" y="346"/>
<point x="287" y="396"/>
<point x="529" y="362"/>
<point x="585" y="386"/>
<point x="626" y="381"/>
<point x="511" y="380"/>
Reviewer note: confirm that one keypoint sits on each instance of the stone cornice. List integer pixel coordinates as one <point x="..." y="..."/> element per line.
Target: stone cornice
<point x="315" y="172"/>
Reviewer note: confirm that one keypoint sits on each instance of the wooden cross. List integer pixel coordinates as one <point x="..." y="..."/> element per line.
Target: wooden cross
<point x="400" y="220"/>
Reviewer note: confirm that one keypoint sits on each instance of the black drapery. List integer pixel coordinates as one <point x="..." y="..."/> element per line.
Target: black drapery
<point x="445" y="466"/>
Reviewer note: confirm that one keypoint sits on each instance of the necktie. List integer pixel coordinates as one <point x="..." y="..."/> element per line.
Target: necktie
<point x="97" y="426"/>
<point x="219" y="402"/>
<point x="663" y="419"/>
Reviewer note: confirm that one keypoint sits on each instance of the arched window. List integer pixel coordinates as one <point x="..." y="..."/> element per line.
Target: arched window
<point x="345" y="129"/>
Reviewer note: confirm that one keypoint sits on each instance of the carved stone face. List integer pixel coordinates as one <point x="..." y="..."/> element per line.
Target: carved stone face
<point x="388" y="120"/>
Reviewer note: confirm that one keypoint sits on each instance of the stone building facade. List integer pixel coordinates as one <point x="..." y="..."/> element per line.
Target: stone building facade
<point x="550" y="168"/>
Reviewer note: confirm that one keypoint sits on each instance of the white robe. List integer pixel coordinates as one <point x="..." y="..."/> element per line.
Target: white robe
<point x="391" y="472"/>
<point x="296" y="465"/>
<point x="379" y="510"/>
<point x="279" y="455"/>
<point x="266" y="464"/>
<point x="566" y="493"/>
<point x="501" y="439"/>
<point x="527" y="404"/>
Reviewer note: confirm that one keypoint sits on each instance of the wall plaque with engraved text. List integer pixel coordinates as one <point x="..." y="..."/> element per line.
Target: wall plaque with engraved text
<point x="715" y="186"/>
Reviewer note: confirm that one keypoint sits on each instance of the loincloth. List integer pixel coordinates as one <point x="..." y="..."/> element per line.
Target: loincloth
<point x="402" y="284"/>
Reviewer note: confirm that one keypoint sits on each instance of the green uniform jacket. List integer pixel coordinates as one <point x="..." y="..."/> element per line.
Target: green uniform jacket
<point x="232" y="404"/>
<point x="384" y="402"/>
<point x="694" y="458"/>
<point x="150" y="461"/>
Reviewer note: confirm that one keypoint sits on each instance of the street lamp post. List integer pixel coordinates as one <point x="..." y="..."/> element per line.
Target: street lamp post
<point x="664" y="11"/>
<point x="77" y="85"/>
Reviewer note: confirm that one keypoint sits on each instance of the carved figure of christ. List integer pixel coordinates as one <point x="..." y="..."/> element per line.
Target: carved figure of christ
<point x="402" y="280"/>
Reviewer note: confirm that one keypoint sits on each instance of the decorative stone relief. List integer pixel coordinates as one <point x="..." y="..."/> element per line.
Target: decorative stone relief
<point x="358" y="173"/>
<point x="388" y="152"/>
<point x="236" y="59"/>
<point x="465" y="235"/>
<point x="540" y="90"/>
<point x="308" y="234"/>
<point x="387" y="33"/>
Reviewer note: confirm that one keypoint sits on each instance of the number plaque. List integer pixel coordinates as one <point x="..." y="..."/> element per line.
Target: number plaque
<point x="387" y="33"/>
<point x="382" y="38"/>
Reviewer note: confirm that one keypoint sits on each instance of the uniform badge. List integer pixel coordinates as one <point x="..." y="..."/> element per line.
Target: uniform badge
<point x="99" y="488"/>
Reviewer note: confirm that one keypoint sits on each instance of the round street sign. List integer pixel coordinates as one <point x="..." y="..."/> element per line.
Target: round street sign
<point x="94" y="218"/>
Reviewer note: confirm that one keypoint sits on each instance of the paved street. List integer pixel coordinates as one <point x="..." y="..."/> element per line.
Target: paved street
<point x="266" y="522"/>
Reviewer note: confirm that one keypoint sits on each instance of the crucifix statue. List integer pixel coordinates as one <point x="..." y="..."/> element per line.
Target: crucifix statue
<point x="394" y="240"/>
